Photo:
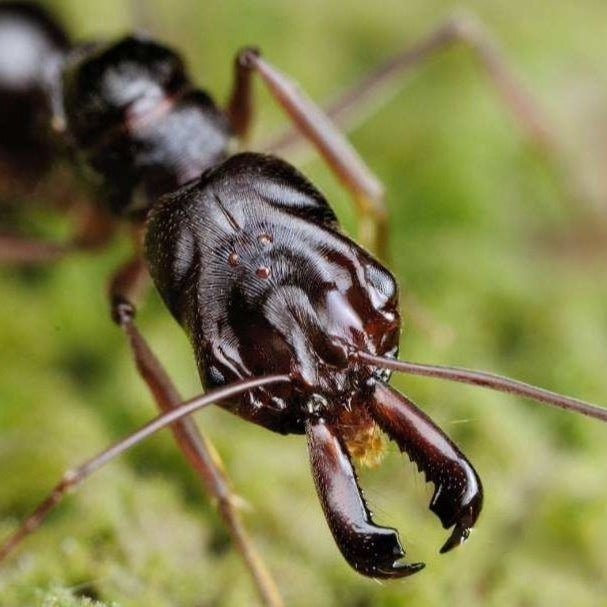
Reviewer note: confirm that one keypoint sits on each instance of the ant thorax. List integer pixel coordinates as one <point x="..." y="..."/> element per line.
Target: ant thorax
<point x="140" y="126"/>
<point x="251" y="262"/>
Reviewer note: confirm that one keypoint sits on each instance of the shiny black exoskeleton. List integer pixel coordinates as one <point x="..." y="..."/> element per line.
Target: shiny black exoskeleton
<point x="249" y="258"/>
<point x="138" y="122"/>
<point x="31" y="47"/>
<point x="256" y="247"/>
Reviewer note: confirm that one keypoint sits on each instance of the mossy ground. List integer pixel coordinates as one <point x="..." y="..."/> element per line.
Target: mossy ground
<point x="473" y="208"/>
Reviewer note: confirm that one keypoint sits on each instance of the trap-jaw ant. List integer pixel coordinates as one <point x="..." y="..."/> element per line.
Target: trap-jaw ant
<point x="294" y="326"/>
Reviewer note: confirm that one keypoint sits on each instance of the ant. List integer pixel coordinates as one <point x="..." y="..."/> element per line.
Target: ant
<point x="294" y="326"/>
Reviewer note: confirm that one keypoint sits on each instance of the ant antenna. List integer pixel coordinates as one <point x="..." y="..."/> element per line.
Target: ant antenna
<point x="483" y="379"/>
<point x="74" y="477"/>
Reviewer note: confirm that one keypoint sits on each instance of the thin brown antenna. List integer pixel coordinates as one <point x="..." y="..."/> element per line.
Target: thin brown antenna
<point x="483" y="379"/>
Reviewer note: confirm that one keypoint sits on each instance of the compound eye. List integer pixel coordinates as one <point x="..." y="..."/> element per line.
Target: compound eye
<point x="382" y="283"/>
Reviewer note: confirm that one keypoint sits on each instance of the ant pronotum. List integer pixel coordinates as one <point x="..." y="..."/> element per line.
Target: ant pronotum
<point x="248" y="257"/>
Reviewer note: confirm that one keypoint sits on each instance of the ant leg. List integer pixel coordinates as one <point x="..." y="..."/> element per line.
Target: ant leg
<point x="125" y="288"/>
<point x="76" y="476"/>
<point x="458" y="493"/>
<point x="18" y="250"/>
<point x="365" y="188"/>
<point x="239" y="109"/>
<point x="365" y="98"/>
<point x="93" y="231"/>
<point x="377" y="88"/>
<point x="370" y="549"/>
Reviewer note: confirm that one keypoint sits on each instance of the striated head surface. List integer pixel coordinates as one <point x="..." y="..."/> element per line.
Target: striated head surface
<point x="250" y="261"/>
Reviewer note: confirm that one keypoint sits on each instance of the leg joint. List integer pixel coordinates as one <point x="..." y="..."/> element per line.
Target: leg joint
<point x="247" y="57"/>
<point x="123" y="311"/>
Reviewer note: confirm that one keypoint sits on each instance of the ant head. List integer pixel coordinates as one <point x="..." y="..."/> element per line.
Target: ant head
<point x="272" y="284"/>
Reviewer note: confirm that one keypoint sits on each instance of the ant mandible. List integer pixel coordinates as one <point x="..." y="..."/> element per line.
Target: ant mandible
<point x="294" y="326"/>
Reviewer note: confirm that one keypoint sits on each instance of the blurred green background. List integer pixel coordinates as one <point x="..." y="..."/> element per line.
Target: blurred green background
<point x="482" y="235"/>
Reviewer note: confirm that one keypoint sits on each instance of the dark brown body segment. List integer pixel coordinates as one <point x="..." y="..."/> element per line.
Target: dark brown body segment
<point x="250" y="261"/>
